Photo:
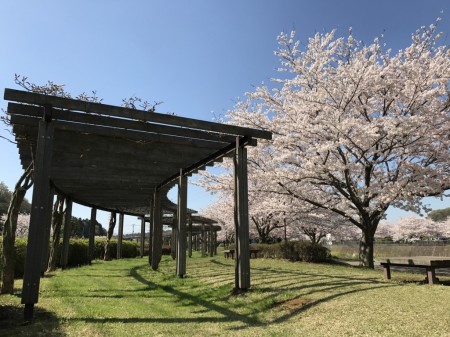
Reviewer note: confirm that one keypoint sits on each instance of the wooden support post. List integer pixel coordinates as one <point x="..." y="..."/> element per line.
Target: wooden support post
<point x="92" y="234"/>
<point x="190" y="237"/>
<point x="157" y="230"/>
<point x="206" y="240"/>
<point x="215" y="243"/>
<point x="242" y="259"/>
<point x="48" y="227"/>
<point x="142" y="235"/>
<point x="203" y="240"/>
<point x="173" y="238"/>
<point x="120" y="236"/>
<point x="387" y="271"/>
<point x="39" y="207"/>
<point x="182" y="215"/>
<point x="66" y="233"/>
<point x="150" y="234"/>
<point x="431" y="275"/>
<point x="211" y="241"/>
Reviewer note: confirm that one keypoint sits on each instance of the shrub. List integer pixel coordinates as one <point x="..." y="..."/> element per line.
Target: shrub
<point x="129" y="249"/>
<point x="78" y="252"/>
<point x="294" y="251"/>
<point x="312" y="252"/>
<point x="289" y="251"/>
<point x="272" y="251"/>
<point x="20" y="252"/>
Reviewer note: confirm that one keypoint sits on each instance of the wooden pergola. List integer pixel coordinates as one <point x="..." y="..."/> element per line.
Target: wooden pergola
<point x="199" y="228"/>
<point x="120" y="160"/>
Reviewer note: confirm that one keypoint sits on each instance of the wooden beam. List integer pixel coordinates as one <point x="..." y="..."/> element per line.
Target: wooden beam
<point x="203" y="238"/>
<point x="66" y="233"/>
<point x="72" y="116"/>
<point x="157" y="231"/>
<point x="113" y="163"/>
<point x="73" y="145"/>
<point x="106" y="182"/>
<point x="48" y="227"/>
<point x="110" y="110"/>
<point x="241" y="208"/>
<point x="120" y="236"/>
<point x="91" y="172"/>
<point x="181" y="215"/>
<point x="211" y="242"/>
<point x="174" y="241"/>
<point x="39" y="207"/>
<point x="150" y="233"/>
<point x="190" y="236"/>
<point x="92" y="234"/>
<point x="83" y="144"/>
<point x="142" y="243"/>
<point x="120" y="133"/>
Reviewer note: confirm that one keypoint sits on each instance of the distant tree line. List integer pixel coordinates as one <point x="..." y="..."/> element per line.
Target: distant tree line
<point x="80" y="228"/>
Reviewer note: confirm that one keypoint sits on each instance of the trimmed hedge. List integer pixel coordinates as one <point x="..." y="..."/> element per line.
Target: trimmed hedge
<point x="78" y="252"/>
<point x="19" y="256"/>
<point x="294" y="251"/>
<point x="305" y="251"/>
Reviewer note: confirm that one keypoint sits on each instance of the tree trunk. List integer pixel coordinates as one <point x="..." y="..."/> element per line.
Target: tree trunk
<point x="9" y="230"/>
<point x="112" y="225"/>
<point x="57" y="219"/>
<point x="366" y="249"/>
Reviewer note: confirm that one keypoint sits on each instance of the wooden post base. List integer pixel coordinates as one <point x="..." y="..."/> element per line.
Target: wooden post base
<point x="28" y="312"/>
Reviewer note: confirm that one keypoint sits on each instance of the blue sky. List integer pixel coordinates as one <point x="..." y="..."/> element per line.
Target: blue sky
<point x="196" y="56"/>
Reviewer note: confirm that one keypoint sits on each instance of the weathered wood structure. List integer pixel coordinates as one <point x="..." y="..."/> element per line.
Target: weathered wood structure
<point x="122" y="160"/>
<point x="198" y="229"/>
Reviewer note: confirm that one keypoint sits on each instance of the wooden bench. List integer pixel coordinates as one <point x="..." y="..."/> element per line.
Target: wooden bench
<point x="430" y="264"/>
<point x="229" y="253"/>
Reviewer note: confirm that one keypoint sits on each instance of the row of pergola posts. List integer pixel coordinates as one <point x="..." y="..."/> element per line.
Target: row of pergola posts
<point x="179" y="232"/>
<point x="40" y="220"/>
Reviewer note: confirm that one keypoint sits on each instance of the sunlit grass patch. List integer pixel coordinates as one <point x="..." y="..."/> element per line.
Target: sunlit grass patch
<point x="126" y="297"/>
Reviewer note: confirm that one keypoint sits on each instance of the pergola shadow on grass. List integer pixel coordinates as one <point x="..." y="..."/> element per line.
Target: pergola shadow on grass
<point x="285" y="299"/>
<point x="132" y="295"/>
<point x="120" y="160"/>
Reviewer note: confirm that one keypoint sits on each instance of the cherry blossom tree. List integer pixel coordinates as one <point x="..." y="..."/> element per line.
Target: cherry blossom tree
<point x="23" y="223"/>
<point x="385" y="230"/>
<point x="222" y="212"/>
<point x="271" y="215"/>
<point x="356" y="129"/>
<point x="417" y="228"/>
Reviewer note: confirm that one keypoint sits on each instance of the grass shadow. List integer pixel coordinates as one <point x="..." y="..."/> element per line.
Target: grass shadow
<point x="45" y="323"/>
<point x="228" y="315"/>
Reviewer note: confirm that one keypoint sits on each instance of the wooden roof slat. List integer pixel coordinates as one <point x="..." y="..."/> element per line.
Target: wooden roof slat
<point x="92" y="158"/>
<point x="115" y="132"/>
<point x="111" y="110"/>
<point x="73" y="116"/>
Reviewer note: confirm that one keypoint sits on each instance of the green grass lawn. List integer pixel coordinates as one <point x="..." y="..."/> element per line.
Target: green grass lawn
<point x="126" y="298"/>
